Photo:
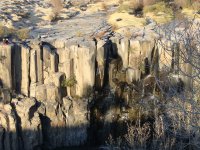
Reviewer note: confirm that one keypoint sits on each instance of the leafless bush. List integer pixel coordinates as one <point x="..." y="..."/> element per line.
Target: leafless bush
<point x="57" y="6"/>
<point x="136" y="4"/>
<point x="104" y="6"/>
<point x="183" y="109"/>
<point x="176" y="117"/>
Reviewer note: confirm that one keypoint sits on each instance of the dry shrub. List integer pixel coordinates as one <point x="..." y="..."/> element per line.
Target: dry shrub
<point x="188" y="3"/>
<point x="4" y="31"/>
<point x="182" y="3"/>
<point x="53" y="17"/>
<point x="120" y="2"/>
<point x="136" y="4"/>
<point x="139" y="4"/>
<point x="11" y="32"/>
<point x="196" y="5"/>
<point x="57" y="6"/>
<point x="148" y="2"/>
<point x="23" y="33"/>
<point x="104" y="6"/>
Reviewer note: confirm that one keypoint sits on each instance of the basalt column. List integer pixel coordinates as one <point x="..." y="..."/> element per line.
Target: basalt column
<point x="6" y="65"/>
<point x="33" y="72"/>
<point x="39" y="50"/>
<point x="36" y="67"/>
<point x="100" y="65"/>
<point x="25" y="70"/>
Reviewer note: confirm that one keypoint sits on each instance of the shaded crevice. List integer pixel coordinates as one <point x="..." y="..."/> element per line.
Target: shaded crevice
<point x="45" y="125"/>
<point x="18" y="128"/>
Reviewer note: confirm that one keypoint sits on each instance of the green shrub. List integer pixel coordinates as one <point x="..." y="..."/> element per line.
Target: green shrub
<point x="70" y="82"/>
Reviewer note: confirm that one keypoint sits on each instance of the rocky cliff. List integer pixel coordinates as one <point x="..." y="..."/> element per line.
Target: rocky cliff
<point x="55" y="93"/>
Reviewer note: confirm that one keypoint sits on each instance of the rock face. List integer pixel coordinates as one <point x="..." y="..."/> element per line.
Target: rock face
<point x="46" y="87"/>
<point x="5" y="65"/>
<point x="42" y="115"/>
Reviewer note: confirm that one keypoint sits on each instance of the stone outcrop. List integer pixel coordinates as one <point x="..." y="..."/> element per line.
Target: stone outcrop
<point x="40" y="104"/>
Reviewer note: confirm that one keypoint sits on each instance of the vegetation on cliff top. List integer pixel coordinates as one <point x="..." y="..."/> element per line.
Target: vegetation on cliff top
<point x="15" y="33"/>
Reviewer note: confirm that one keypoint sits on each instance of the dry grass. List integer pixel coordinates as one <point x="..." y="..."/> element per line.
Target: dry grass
<point x="158" y="7"/>
<point x="196" y="5"/>
<point x="187" y="3"/>
<point x="120" y="2"/>
<point x="79" y="34"/>
<point x="123" y="8"/>
<point x="97" y="6"/>
<point x="57" y="5"/>
<point x="135" y="4"/>
<point x="148" y="2"/>
<point x="127" y="20"/>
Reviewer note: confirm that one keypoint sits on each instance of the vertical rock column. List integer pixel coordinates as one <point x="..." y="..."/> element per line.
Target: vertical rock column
<point x="9" y="140"/>
<point x="100" y="58"/>
<point x="53" y="62"/>
<point x="16" y="68"/>
<point x="122" y="50"/>
<point x="84" y="68"/>
<point x="50" y="64"/>
<point x="135" y="59"/>
<point x="36" y="67"/>
<point x="33" y="72"/>
<point x="64" y="63"/>
<point x="39" y="51"/>
<point x="25" y="55"/>
<point x="6" y="65"/>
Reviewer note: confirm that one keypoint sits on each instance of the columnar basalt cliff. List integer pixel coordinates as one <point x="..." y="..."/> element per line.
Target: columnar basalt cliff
<point x="53" y="92"/>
